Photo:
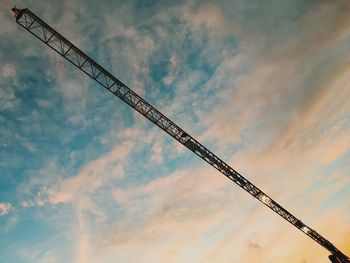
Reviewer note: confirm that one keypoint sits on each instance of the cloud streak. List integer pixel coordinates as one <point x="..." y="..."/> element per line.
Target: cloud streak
<point x="5" y="208"/>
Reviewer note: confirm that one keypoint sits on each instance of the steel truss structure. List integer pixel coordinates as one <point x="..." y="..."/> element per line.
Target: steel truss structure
<point x="32" y="23"/>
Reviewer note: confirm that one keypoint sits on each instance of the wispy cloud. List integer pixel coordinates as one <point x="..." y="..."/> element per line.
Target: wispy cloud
<point x="91" y="177"/>
<point x="5" y="208"/>
<point x="8" y="98"/>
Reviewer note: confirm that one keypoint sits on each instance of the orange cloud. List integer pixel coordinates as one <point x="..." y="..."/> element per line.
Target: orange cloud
<point x="92" y="176"/>
<point x="5" y="208"/>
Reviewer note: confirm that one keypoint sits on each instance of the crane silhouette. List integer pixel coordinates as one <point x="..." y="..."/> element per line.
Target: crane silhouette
<point x="53" y="39"/>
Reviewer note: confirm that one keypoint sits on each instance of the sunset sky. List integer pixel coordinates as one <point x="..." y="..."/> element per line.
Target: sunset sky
<point x="263" y="84"/>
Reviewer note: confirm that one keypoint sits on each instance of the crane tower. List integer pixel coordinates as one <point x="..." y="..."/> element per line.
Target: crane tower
<point x="45" y="33"/>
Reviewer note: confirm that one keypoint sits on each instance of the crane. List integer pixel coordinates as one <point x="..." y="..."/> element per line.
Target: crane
<point x="45" y="33"/>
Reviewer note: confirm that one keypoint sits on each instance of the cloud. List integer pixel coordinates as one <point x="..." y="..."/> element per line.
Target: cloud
<point x="270" y="30"/>
<point x="208" y="15"/>
<point x="8" y="71"/>
<point x="254" y="245"/>
<point x="83" y="249"/>
<point x="272" y="233"/>
<point x="27" y="203"/>
<point x="274" y="98"/>
<point x="132" y="60"/>
<point x="91" y="177"/>
<point x="8" y="98"/>
<point x="44" y="103"/>
<point x="169" y="214"/>
<point x="173" y="64"/>
<point x="257" y="106"/>
<point x="189" y="208"/>
<point x="5" y="208"/>
<point x="320" y="126"/>
<point x="25" y="142"/>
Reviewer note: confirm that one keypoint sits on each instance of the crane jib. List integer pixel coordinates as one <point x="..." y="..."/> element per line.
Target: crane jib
<point x="45" y="33"/>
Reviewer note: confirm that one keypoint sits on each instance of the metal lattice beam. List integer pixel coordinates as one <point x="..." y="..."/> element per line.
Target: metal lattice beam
<point x="65" y="48"/>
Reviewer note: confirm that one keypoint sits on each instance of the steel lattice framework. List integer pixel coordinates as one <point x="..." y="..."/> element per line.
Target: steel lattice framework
<point x="45" y="33"/>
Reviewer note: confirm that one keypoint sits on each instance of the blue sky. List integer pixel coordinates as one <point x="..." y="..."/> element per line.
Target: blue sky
<point x="83" y="178"/>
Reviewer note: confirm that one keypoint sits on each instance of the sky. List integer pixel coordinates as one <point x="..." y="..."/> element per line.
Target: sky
<point x="263" y="84"/>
